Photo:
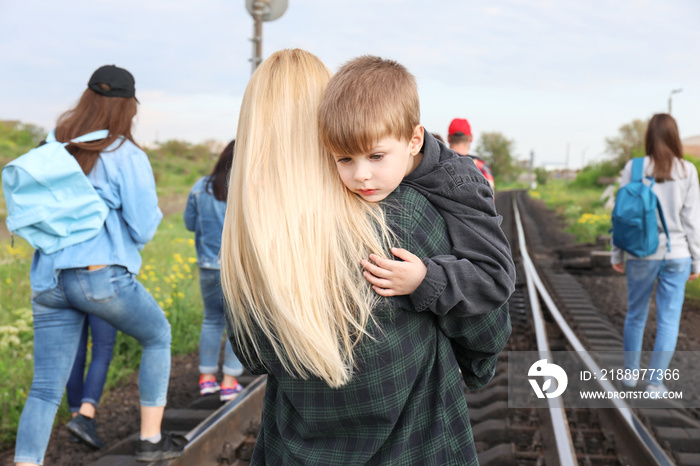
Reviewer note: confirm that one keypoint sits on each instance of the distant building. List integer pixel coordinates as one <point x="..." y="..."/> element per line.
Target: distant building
<point x="691" y="146"/>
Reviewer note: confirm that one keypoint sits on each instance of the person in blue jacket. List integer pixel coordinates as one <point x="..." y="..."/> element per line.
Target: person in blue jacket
<point x="98" y="276"/>
<point x="204" y="214"/>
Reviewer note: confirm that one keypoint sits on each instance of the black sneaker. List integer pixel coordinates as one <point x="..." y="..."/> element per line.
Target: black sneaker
<point x="84" y="429"/>
<point x="169" y="447"/>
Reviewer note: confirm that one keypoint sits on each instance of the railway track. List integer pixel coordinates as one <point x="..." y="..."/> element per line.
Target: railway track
<point x="216" y="433"/>
<point x="615" y="435"/>
<point x="550" y="313"/>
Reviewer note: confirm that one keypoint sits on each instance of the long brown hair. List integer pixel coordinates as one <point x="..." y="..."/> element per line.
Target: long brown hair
<point x="218" y="178"/>
<point x="663" y="145"/>
<point x="93" y="113"/>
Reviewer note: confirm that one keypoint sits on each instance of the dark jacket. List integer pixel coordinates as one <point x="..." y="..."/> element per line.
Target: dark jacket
<point x="405" y="403"/>
<point x="478" y="275"/>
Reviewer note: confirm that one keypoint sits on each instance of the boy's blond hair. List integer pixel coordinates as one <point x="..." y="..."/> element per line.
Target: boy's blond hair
<point x="368" y="99"/>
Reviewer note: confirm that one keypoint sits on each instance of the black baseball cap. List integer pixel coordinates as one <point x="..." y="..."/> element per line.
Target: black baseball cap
<point x="120" y="81"/>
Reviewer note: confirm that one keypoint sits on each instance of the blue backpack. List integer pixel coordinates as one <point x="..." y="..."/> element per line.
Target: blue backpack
<point x="634" y="224"/>
<point x="50" y="201"/>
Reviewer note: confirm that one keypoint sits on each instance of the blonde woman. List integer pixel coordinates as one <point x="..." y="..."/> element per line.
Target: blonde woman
<point x="352" y="378"/>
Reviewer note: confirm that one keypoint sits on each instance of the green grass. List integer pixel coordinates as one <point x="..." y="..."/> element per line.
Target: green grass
<point x="582" y="209"/>
<point x="510" y="185"/>
<point x="169" y="272"/>
<point x="692" y="290"/>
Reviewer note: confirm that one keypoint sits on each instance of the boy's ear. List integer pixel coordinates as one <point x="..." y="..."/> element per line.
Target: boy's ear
<point x="416" y="142"/>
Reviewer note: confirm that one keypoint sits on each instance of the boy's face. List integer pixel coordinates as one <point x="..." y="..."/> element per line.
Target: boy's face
<point x="377" y="173"/>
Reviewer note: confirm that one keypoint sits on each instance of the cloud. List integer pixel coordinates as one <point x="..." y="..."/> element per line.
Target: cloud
<point x="543" y="72"/>
<point x="193" y="117"/>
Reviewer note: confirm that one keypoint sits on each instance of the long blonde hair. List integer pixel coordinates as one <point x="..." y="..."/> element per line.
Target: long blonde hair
<point x="294" y="236"/>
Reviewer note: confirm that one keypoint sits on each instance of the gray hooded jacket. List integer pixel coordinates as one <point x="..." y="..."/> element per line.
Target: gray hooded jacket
<point x="479" y="276"/>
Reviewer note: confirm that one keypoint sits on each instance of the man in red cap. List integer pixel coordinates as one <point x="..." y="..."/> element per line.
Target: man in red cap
<point x="459" y="136"/>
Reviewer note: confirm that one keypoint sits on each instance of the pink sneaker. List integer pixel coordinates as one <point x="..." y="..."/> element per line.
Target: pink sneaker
<point x="229" y="393"/>
<point x="208" y="386"/>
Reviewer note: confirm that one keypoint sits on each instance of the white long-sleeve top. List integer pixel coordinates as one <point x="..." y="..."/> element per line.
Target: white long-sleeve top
<point x="680" y="201"/>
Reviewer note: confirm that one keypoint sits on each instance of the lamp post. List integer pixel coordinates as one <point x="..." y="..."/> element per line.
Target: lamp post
<point x="675" y="91"/>
<point x="262" y="10"/>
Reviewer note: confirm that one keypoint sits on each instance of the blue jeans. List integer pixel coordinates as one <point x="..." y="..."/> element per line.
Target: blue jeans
<point x="113" y="294"/>
<point x="213" y="327"/>
<point x="83" y="388"/>
<point x="671" y="276"/>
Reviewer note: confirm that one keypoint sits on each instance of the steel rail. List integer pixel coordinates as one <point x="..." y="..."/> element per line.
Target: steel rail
<point x="560" y="425"/>
<point x="220" y="437"/>
<point x="630" y="420"/>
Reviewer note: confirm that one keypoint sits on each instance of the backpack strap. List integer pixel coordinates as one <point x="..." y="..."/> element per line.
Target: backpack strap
<point x="663" y="222"/>
<point x="94" y="136"/>
<point x="637" y="168"/>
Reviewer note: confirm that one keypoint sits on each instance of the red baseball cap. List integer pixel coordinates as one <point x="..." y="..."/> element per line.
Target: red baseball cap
<point x="460" y="125"/>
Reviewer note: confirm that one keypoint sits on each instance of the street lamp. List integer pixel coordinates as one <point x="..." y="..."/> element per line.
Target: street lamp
<point x="675" y="91"/>
<point x="262" y="10"/>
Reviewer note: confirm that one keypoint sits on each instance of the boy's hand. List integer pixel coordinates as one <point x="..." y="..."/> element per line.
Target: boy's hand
<point x="395" y="278"/>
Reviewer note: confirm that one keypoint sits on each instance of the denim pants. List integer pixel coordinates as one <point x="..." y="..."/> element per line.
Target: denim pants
<point x="213" y="327"/>
<point x="83" y="388"/>
<point x="671" y="276"/>
<point x="113" y="294"/>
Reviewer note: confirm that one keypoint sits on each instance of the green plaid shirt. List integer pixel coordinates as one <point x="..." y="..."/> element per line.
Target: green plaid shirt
<point x="405" y="404"/>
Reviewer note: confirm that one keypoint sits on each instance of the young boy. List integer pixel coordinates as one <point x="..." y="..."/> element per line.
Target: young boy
<point x="370" y="121"/>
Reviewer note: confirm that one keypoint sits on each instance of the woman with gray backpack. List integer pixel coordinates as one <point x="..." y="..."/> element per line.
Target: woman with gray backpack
<point x="673" y="262"/>
<point x="98" y="275"/>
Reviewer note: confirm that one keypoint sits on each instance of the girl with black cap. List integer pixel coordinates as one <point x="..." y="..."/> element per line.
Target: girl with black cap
<point x="98" y="277"/>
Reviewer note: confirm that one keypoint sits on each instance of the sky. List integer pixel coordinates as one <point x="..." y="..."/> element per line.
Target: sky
<point x="555" y="77"/>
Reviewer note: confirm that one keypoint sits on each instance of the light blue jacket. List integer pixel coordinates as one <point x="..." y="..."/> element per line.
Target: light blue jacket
<point x="204" y="215"/>
<point x="124" y="180"/>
